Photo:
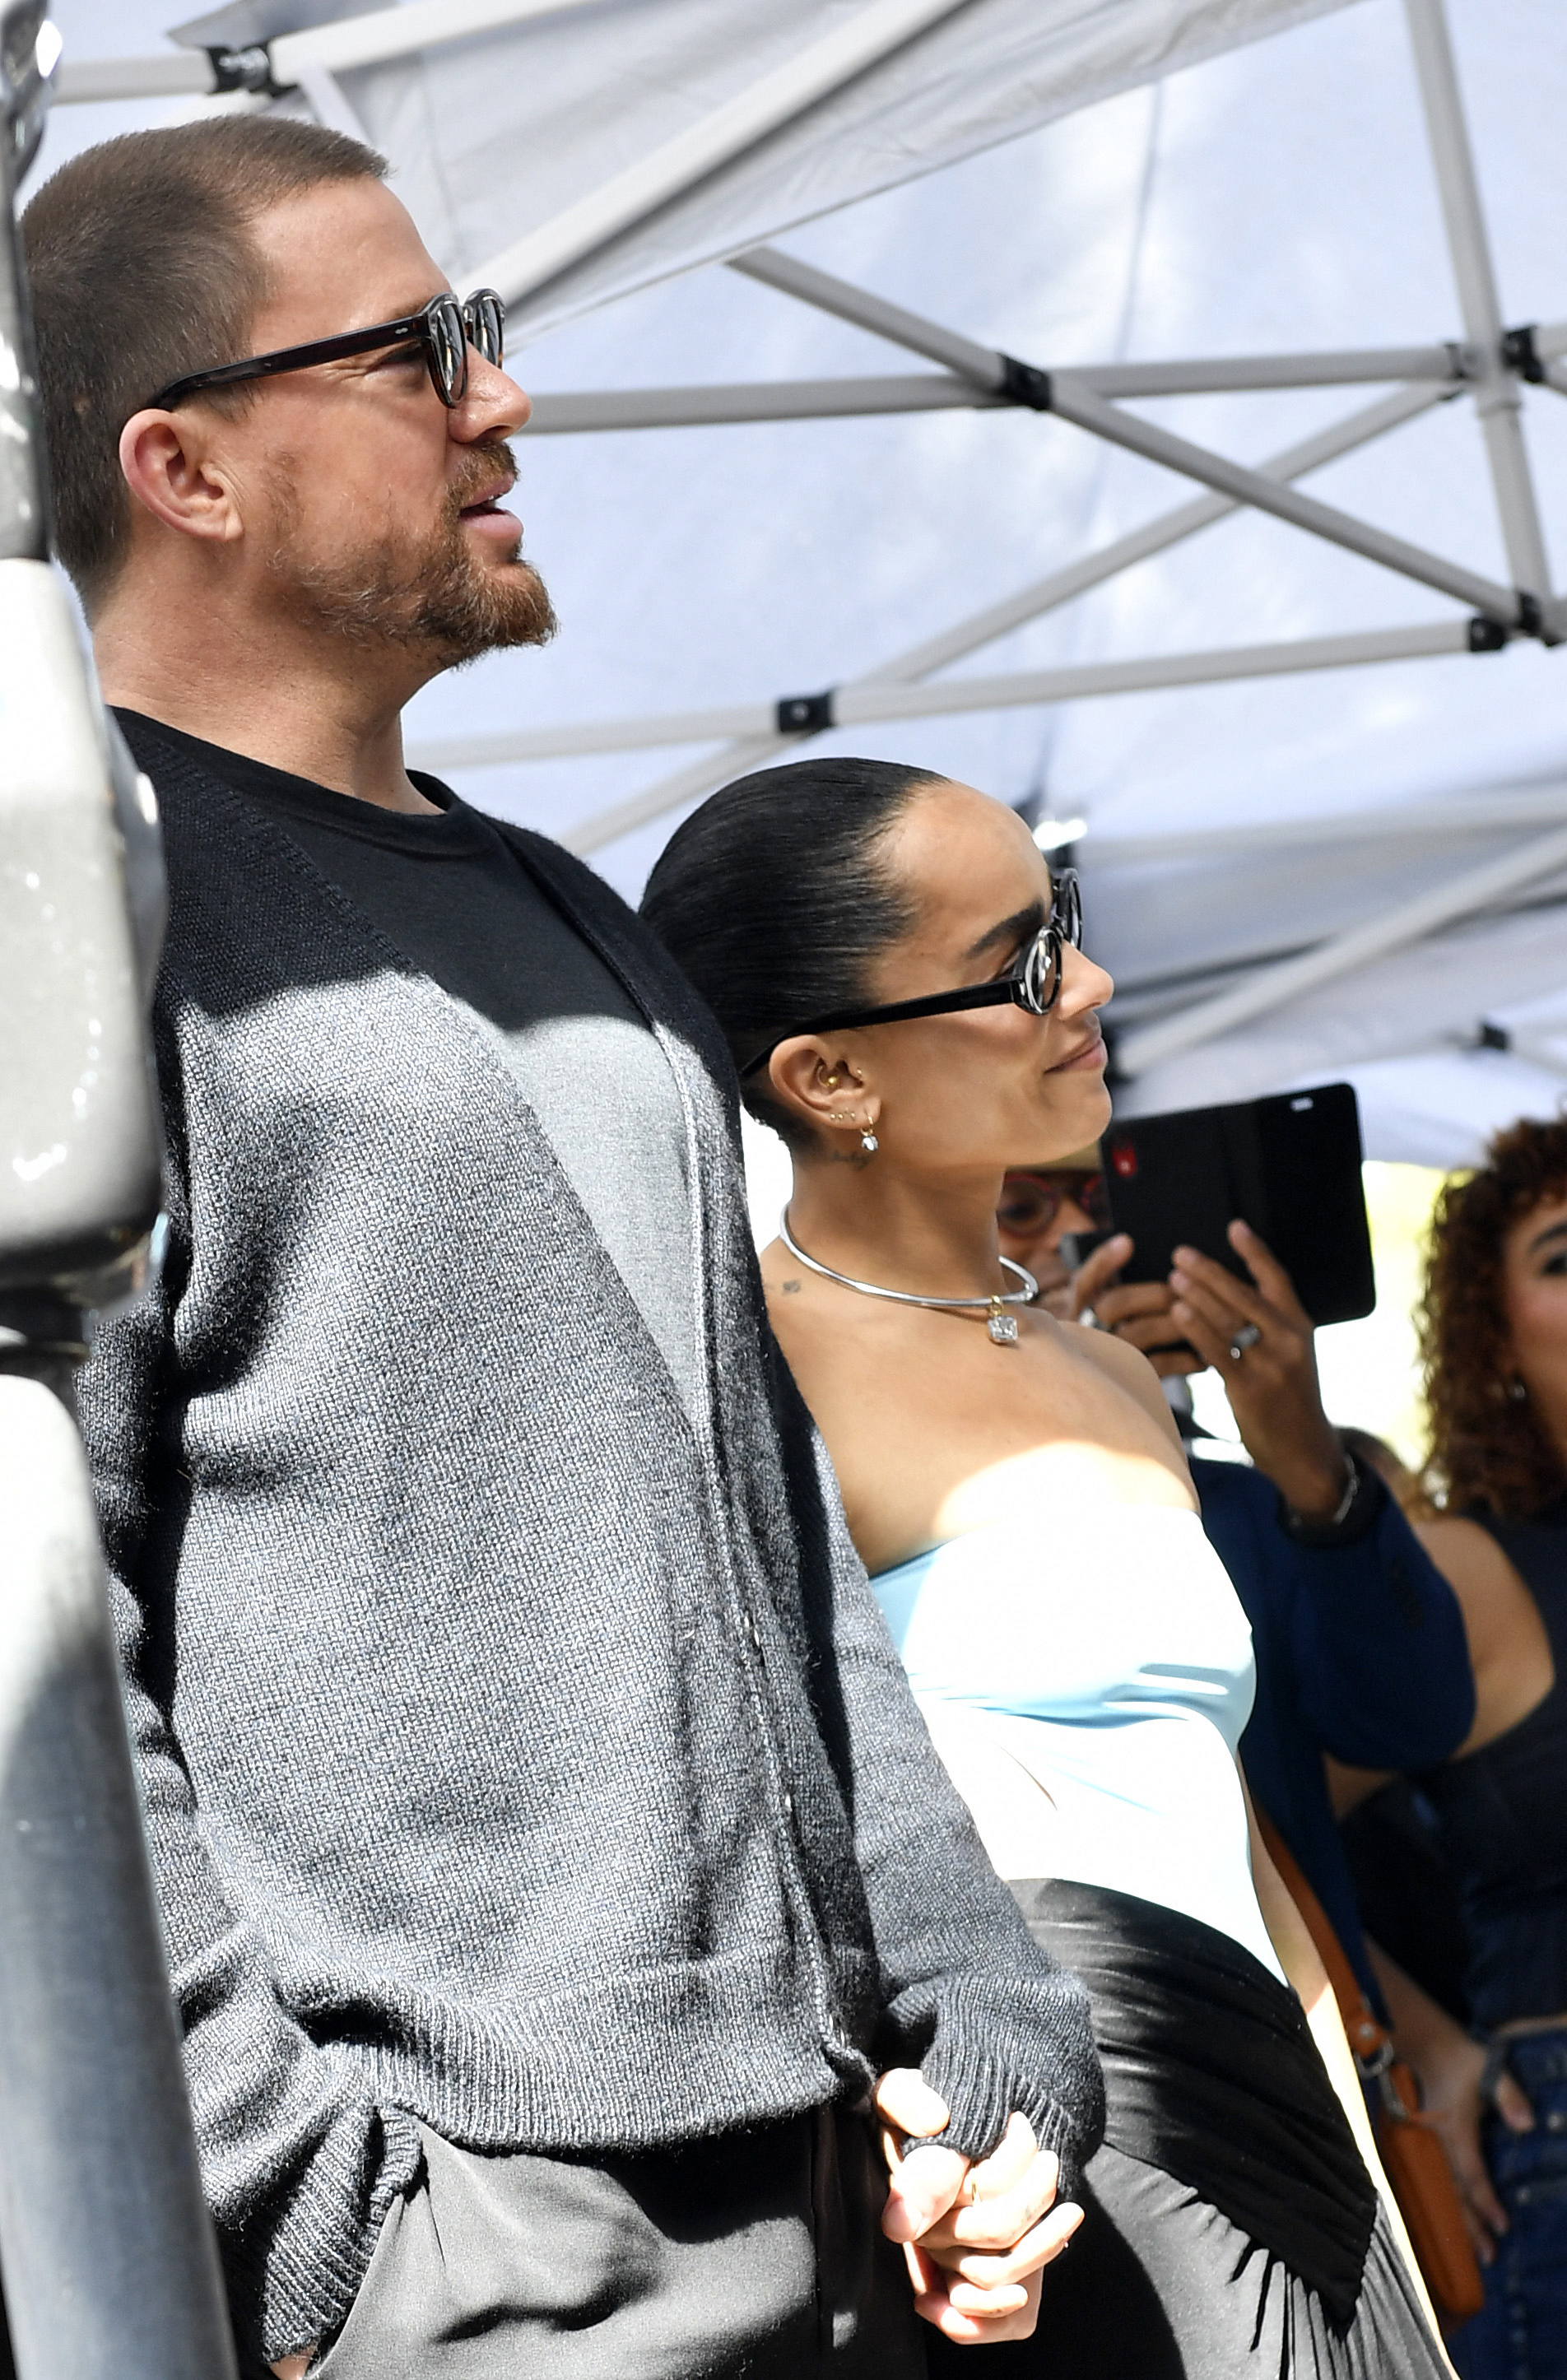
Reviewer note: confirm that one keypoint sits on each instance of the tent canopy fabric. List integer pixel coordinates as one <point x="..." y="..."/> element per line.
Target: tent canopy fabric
<point x="1071" y="185"/>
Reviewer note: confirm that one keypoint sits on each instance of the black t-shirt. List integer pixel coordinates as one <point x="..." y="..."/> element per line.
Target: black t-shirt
<point x="448" y="890"/>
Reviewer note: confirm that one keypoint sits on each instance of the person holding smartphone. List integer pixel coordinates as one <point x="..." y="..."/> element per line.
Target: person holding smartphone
<point x="1359" y="1638"/>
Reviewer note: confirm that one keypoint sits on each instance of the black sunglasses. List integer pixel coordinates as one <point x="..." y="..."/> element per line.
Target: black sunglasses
<point x="1032" y="984"/>
<point x="446" y="328"/>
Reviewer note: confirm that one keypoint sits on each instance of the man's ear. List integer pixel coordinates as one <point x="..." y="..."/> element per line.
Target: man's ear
<point x="823" y="1086"/>
<point x="170" y="472"/>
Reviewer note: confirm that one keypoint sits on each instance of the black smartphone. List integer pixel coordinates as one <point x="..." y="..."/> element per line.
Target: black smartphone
<point x="1288" y="1166"/>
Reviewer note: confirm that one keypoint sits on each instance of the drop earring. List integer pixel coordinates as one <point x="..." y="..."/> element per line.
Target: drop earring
<point x="868" y="1142"/>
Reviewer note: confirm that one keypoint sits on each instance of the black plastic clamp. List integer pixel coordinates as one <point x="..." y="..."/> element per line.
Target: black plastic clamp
<point x="1486" y="636"/>
<point x="1492" y="1036"/>
<point x="1520" y="354"/>
<point x="805" y="714"/>
<point x="1025" y="384"/>
<point x="245" y="69"/>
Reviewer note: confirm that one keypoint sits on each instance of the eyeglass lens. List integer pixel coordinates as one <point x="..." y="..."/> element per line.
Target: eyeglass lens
<point x="1030" y="1202"/>
<point x="479" y="322"/>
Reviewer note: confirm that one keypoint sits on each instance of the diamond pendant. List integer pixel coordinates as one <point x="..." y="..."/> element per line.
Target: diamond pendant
<point x="1002" y="1328"/>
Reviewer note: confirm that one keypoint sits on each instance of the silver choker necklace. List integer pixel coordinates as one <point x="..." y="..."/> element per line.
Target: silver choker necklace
<point x="1002" y="1328"/>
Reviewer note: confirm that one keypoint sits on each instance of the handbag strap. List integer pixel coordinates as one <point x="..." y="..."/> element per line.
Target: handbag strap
<point x="1369" y="2038"/>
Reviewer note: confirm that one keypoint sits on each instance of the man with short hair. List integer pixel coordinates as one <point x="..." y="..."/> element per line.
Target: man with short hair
<point x="553" y="1862"/>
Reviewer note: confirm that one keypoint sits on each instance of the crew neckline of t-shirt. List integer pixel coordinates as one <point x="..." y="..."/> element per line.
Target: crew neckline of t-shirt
<point x="454" y="832"/>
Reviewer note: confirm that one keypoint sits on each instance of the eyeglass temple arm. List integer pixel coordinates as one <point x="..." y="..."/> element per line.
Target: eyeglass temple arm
<point x="938" y="1003"/>
<point x="402" y="332"/>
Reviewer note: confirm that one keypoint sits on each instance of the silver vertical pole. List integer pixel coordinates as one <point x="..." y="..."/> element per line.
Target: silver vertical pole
<point x="107" y="2252"/>
<point x="110" y="2267"/>
<point x="1497" y="396"/>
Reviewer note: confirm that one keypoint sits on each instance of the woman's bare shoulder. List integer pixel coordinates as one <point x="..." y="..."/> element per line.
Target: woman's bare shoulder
<point x="1498" y="1611"/>
<point x="1127" y="1366"/>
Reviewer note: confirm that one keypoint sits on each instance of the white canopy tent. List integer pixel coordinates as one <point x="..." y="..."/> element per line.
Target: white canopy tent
<point x="1305" y="706"/>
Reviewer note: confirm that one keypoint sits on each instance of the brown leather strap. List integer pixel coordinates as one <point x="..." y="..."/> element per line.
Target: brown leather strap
<point x="1366" y="2036"/>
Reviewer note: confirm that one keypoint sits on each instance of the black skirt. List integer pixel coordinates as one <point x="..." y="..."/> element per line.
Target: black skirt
<point x="1230" y="2227"/>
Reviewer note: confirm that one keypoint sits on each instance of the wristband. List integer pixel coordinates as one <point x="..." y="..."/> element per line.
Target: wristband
<point x="1359" y="1512"/>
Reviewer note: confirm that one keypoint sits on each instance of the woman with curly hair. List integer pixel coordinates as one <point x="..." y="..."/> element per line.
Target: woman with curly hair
<point x="1494" y="1340"/>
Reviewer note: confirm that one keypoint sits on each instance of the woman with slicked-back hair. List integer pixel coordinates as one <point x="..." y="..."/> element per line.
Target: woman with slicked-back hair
<point x="901" y="982"/>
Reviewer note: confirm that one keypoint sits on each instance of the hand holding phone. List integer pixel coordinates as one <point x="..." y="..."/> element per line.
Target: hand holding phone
<point x="1259" y="1340"/>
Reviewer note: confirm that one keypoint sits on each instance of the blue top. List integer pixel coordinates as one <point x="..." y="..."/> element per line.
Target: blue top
<point x="1087" y="1676"/>
<point x="1360" y="1652"/>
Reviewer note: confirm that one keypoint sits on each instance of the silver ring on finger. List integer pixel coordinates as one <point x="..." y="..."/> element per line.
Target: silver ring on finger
<point x="1246" y="1336"/>
<point x="1089" y="1319"/>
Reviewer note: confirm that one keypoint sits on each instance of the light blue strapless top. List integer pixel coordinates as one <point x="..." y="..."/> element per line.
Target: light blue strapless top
<point x="1087" y="1675"/>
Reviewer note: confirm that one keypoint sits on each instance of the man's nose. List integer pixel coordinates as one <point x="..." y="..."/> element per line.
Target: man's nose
<point x="492" y="406"/>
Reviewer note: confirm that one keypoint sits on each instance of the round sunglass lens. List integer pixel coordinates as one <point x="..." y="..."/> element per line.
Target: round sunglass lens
<point x="487" y="321"/>
<point x="448" y="351"/>
<point x="1042" y="973"/>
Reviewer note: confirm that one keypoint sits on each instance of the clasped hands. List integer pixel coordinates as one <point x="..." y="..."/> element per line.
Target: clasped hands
<point x="976" y="2236"/>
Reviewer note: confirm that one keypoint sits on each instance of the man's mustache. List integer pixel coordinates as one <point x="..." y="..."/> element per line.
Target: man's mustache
<point x="477" y="470"/>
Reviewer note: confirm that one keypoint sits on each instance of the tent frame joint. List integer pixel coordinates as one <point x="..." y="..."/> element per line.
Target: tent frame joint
<point x="246" y="69"/>
<point x="805" y="714"/>
<point x="1488" y="635"/>
<point x="1520" y="354"/>
<point x="1025" y="384"/>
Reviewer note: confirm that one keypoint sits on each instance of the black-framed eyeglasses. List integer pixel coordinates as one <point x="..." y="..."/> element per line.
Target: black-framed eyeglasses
<point x="446" y="328"/>
<point x="1032" y="984"/>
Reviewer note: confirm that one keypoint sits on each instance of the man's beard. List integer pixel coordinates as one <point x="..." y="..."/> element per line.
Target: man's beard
<point x="439" y="596"/>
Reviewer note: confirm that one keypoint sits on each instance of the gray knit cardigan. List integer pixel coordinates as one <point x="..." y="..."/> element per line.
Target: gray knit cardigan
<point x="522" y="1755"/>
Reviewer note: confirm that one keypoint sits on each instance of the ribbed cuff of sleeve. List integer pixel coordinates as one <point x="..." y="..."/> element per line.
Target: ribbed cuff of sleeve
<point x="981" y="2095"/>
<point x="315" y="2258"/>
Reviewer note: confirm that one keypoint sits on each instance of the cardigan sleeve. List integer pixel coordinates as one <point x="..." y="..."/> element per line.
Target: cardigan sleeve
<point x="993" y="2021"/>
<point x="298" y="2165"/>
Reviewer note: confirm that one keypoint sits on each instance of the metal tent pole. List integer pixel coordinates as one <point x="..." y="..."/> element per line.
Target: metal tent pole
<point x="1073" y="402"/>
<point x="109" y="2265"/>
<point x="559" y="413"/>
<point x="1497" y="397"/>
<point x="871" y="702"/>
<point x="1073" y="396"/>
<point x="968" y="635"/>
<point x="1466" y="890"/>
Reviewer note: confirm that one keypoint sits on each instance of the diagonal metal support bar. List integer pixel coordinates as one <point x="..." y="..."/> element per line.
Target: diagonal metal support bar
<point x="994" y="371"/>
<point x="1498" y="399"/>
<point x="1465" y="891"/>
<point x="821" y="67"/>
<point x="874" y="701"/>
<point x="981" y="628"/>
<point x="1072" y="395"/>
<point x="985" y="366"/>
<point x="1073" y="402"/>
